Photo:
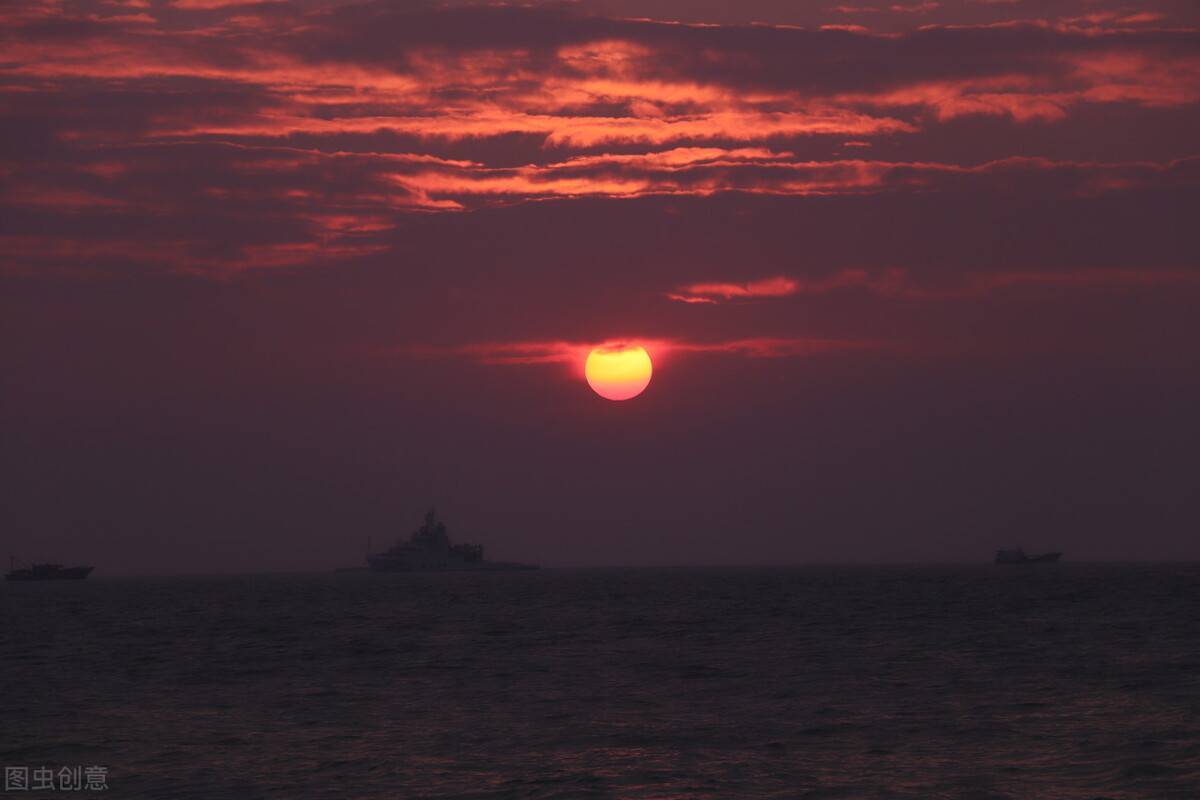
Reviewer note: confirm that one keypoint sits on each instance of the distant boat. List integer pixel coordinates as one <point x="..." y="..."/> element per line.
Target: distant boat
<point x="429" y="549"/>
<point x="49" y="572"/>
<point x="1019" y="556"/>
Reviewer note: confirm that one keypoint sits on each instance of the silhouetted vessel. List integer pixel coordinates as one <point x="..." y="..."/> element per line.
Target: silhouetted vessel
<point x="49" y="572"/>
<point x="1019" y="556"/>
<point x="429" y="548"/>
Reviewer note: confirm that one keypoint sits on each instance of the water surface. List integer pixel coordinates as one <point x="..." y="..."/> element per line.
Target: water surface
<point x="1066" y="681"/>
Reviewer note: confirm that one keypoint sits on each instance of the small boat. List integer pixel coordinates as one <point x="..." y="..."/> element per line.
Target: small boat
<point x="49" y="572"/>
<point x="1019" y="556"/>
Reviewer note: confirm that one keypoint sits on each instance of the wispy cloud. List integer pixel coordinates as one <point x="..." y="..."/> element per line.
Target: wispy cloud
<point x="716" y="292"/>
<point x="574" y="353"/>
<point x="899" y="283"/>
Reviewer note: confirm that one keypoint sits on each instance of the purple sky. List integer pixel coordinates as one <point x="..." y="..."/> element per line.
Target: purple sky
<point x="918" y="279"/>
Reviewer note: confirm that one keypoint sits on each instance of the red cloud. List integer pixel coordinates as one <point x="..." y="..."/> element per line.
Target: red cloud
<point x="714" y="292"/>
<point x="899" y="284"/>
<point x="916" y="8"/>
<point x="704" y="171"/>
<point x="332" y="121"/>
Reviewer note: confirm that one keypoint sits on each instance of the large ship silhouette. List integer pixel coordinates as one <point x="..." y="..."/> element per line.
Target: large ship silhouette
<point x="430" y="548"/>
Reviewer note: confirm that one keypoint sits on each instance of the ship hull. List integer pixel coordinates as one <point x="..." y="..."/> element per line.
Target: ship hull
<point x="384" y="565"/>
<point x="1043" y="558"/>
<point x="68" y="574"/>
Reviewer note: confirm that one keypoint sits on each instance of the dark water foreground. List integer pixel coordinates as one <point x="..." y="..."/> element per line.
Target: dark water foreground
<point x="1068" y="681"/>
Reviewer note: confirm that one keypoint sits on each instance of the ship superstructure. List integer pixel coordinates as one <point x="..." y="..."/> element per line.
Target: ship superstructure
<point x="430" y="548"/>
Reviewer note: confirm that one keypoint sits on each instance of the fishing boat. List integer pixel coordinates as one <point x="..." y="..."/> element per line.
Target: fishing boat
<point x="1019" y="556"/>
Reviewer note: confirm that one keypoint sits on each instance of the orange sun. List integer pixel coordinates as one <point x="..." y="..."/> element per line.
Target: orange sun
<point x="618" y="372"/>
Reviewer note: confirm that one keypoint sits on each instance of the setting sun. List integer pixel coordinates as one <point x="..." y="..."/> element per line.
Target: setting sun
<point x="618" y="372"/>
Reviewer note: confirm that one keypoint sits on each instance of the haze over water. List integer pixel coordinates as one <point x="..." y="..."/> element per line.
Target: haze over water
<point x="1069" y="681"/>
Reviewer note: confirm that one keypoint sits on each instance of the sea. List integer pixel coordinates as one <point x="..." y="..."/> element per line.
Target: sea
<point x="983" y="682"/>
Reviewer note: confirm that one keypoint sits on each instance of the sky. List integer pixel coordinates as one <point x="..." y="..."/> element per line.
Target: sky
<point x="918" y="280"/>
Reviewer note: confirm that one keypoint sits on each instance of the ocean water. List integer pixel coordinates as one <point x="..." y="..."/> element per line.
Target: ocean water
<point x="1067" y="681"/>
